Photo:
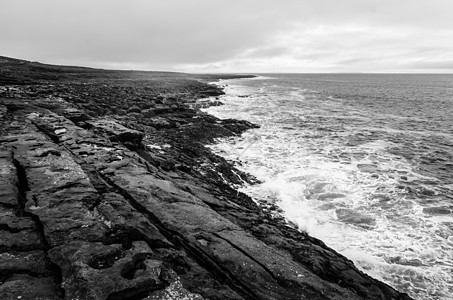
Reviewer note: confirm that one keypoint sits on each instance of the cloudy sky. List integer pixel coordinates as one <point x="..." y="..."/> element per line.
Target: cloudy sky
<point x="233" y="36"/>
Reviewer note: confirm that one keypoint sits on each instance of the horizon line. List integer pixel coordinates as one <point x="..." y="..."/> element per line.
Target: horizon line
<point x="238" y="72"/>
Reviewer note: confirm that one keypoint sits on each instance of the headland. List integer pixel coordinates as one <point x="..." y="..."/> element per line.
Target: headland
<point x="108" y="192"/>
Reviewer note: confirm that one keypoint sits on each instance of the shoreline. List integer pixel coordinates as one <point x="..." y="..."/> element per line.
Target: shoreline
<point x="110" y="192"/>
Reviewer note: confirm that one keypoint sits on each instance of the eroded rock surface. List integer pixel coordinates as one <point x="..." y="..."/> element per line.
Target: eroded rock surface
<point x="108" y="192"/>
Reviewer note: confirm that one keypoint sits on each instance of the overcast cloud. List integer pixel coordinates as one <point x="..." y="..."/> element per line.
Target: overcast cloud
<point x="234" y="35"/>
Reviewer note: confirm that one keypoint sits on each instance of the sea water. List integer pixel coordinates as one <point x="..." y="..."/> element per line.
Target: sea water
<point x="361" y="161"/>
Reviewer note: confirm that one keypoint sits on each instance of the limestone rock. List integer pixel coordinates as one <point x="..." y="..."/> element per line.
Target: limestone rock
<point x="75" y="115"/>
<point x="32" y="262"/>
<point x="129" y="137"/>
<point x="96" y="271"/>
<point x="23" y="286"/>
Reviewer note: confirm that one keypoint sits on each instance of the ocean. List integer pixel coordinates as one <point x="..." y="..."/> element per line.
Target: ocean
<point x="363" y="162"/>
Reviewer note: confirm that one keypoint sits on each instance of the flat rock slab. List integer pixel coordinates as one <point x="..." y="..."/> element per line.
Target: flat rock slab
<point x="23" y="240"/>
<point x="75" y="115"/>
<point x="23" y="286"/>
<point x="97" y="271"/>
<point x="189" y="217"/>
<point x="129" y="137"/>
<point x="126" y="222"/>
<point x="8" y="178"/>
<point x="60" y="192"/>
<point x="30" y="262"/>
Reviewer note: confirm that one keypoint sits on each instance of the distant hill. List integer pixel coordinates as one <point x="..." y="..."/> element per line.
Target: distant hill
<point x="18" y="71"/>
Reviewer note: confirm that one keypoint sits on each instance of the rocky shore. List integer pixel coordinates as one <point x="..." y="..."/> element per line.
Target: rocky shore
<point x="107" y="191"/>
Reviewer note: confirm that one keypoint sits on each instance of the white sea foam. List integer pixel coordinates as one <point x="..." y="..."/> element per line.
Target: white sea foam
<point x="341" y="183"/>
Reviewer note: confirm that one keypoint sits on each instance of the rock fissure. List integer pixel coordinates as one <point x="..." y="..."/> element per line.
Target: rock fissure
<point x="22" y="185"/>
<point x="198" y="254"/>
<point x="23" y="188"/>
<point x="49" y="132"/>
<point x="248" y="255"/>
<point x="6" y="227"/>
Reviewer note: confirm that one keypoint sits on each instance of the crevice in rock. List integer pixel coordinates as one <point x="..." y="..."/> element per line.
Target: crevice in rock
<point x="22" y="185"/>
<point x="50" y="152"/>
<point x="129" y="269"/>
<point x="8" y="206"/>
<point x="222" y="274"/>
<point x="148" y="160"/>
<point x="124" y="236"/>
<point x="56" y="271"/>
<point x="23" y="188"/>
<point x="96" y="180"/>
<point x="48" y="131"/>
<point x="119" y="234"/>
<point x="248" y="256"/>
<point x="175" y="260"/>
<point x="5" y="227"/>
<point x="106" y="261"/>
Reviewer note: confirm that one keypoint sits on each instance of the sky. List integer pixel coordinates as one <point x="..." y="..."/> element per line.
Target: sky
<point x="251" y="36"/>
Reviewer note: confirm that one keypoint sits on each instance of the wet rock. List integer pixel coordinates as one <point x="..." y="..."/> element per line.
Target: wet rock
<point x="405" y="262"/>
<point x="237" y="126"/>
<point x="211" y="92"/>
<point x="186" y="215"/>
